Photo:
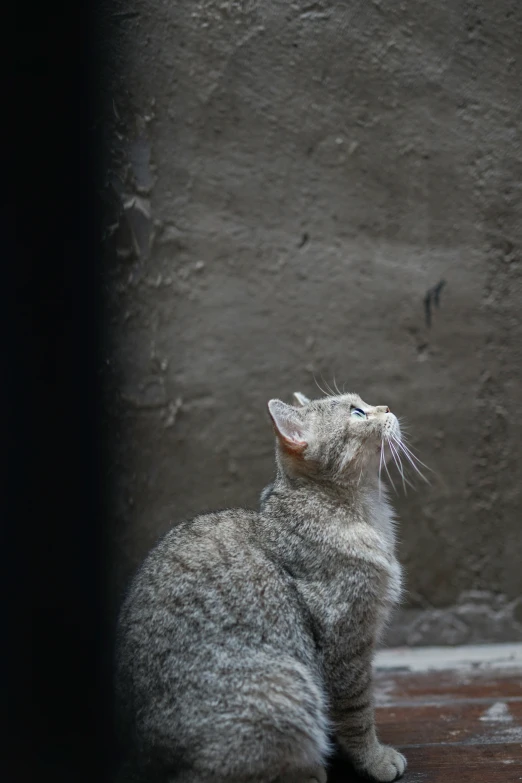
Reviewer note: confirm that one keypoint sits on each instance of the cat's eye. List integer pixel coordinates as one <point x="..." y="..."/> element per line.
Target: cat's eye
<point x="358" y="412"/>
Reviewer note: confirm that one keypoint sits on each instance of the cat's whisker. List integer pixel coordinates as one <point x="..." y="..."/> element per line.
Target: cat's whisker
<point x="389" y="476"/>
<point x="330" y="390"/>
<point x="396" y="452"/>
<point x="410" y="460"/>
<point x="321" y="388"/>
<point x="336" y="386"/>
<point x="398" y="464"/>
<point x="403" y="469"/>
<point x="414" y="456"/>
<point x="380" y="465"/>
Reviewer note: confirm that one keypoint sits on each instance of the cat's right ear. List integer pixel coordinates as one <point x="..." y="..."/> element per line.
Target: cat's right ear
<point x="300" y="399"/>
<point x="288" y="426"/>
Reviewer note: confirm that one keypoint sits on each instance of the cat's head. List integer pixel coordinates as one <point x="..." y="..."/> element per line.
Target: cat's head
<point x="334" y="438"/>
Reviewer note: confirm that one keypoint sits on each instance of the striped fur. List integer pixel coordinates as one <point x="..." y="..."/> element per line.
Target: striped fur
<point x="245" y="641"/>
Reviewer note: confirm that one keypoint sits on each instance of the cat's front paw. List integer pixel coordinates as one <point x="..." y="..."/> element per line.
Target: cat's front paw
<point x="385" y="765"/>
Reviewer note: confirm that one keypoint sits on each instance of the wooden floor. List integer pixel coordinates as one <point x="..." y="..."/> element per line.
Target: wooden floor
<point x="455" y="713"/>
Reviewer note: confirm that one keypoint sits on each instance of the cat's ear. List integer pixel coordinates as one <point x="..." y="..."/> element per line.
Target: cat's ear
<point x="288" y="425"/>
<point x="300" y="399"/>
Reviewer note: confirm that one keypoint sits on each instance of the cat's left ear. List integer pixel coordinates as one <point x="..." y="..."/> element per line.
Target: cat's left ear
<point x="300" y="399"/>
<point x="288" y="425"/>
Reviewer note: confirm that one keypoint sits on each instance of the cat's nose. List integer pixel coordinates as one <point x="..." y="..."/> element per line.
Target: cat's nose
<point x="383" y="409"/>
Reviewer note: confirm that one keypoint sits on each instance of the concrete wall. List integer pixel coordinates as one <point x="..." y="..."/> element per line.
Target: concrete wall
<point x="288" y="180"/>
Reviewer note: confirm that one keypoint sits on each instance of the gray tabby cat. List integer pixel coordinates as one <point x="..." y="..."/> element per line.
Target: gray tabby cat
<point x="245" y="642"/>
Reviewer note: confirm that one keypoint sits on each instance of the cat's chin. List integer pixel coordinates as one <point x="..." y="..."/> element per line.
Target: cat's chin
<point x="373" y="458"/>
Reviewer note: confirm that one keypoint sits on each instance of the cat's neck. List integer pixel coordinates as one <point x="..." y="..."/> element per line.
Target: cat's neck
<point x="319" y="513"/>
<point x="361" y="498"/>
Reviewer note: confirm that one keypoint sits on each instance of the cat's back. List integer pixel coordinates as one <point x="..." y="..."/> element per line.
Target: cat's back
<point x="194" y="571"/>
<point x="207" y="587"/>
<point x="206" y="544"/>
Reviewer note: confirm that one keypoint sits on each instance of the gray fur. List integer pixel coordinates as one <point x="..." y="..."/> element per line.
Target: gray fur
<point x="245" y="642"/>
<point x="265" y="494"/>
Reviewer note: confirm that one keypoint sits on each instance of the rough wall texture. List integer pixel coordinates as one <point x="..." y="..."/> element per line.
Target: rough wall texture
<point x="288" y="181"/>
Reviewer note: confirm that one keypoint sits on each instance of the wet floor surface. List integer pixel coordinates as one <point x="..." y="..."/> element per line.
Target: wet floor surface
<point x="454" y="725"/>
